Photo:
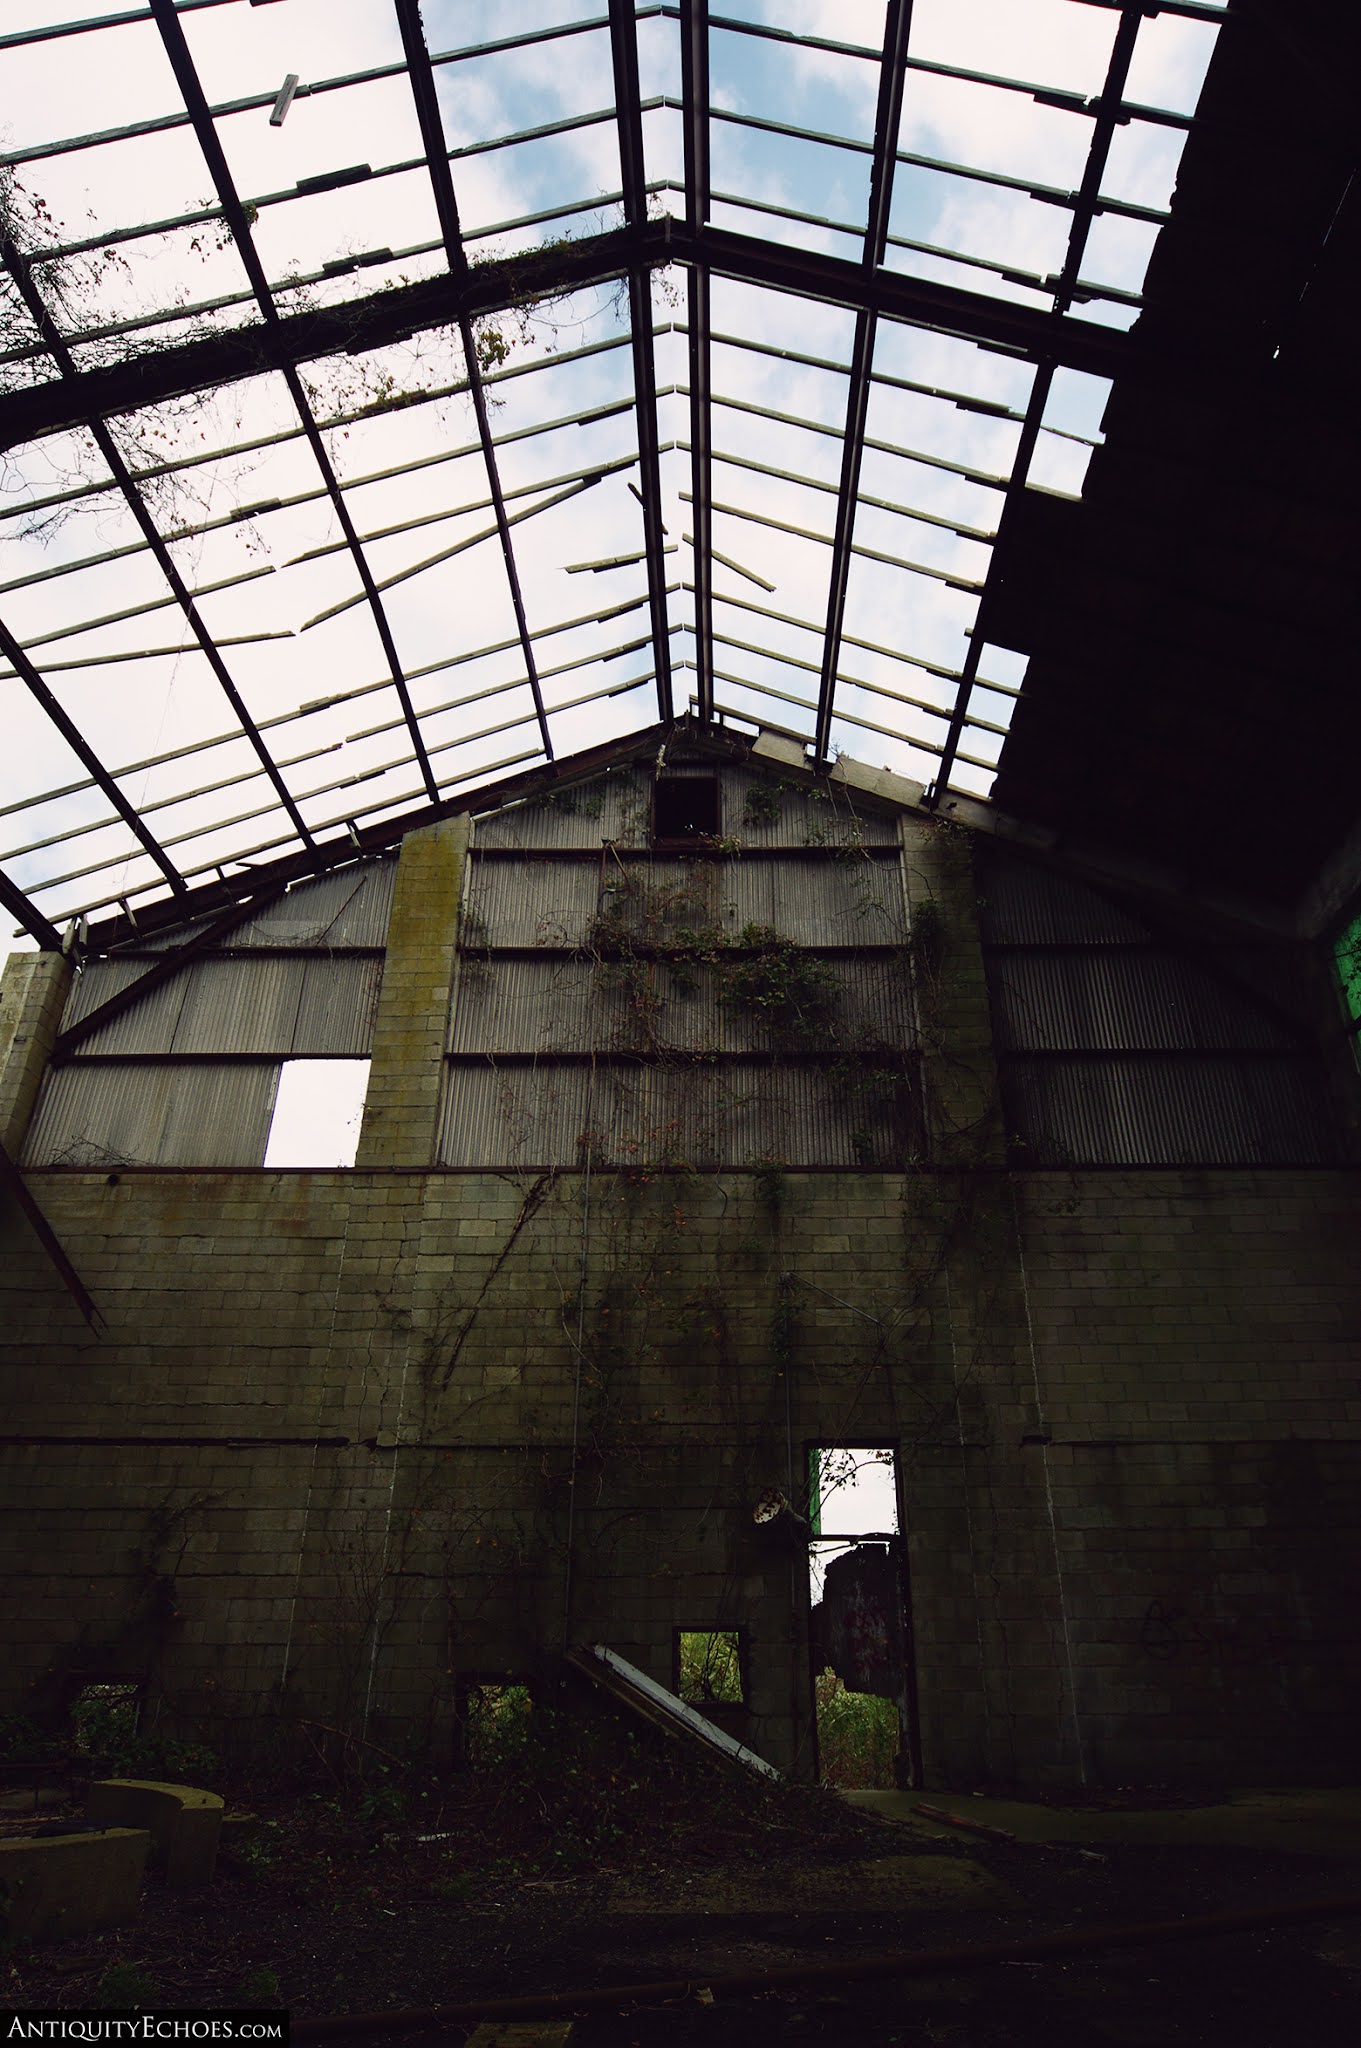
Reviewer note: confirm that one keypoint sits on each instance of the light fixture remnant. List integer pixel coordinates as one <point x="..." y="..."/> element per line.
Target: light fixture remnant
<point x="772" y="1505"/>
<point x="284" y="100"/>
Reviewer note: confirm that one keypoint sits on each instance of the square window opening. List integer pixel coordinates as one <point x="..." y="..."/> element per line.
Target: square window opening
<point x="708" y="1667"/>
<point x="104" y="1718"/>
<point x="497" y="1724"/>
<point x="318" y="1109"/>
<point x="685" y="808"/>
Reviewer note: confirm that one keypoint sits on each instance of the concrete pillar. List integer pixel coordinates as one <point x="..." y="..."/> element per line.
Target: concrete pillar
<point x="964" y="1113"/>
<point x="33" y="992"/>
<point x="401" y="1112"/>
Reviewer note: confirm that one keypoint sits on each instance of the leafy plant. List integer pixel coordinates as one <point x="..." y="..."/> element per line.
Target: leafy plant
<point x="126" y="1987"/>
<point x="762" y="806"/>
<point x="259" y="1853"/>
<point x="258" y="1990"/>
<point x="768" y="1175"/>
<point x="104" y="1723"/>
<point x="780" y="983"/>
<point x="926" y="937"/>
<point x="499" y="1727"/>
<point x="858" y="1736"/>
<point x="710" y="1667"/>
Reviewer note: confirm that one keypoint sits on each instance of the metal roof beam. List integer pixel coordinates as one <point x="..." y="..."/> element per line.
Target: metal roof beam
<point x="892" y="295"/>
<point x="396" y="314"/>
<point x="224" y="739"/>
<point x="356" y="325"/>
<point x="888" y="115"/>
<point x="26" y="911"/>
<point x="629" y="120"/>
<point x="431" y="125"/>
<point x="85" y="753"/>
<point x="695" y="94"/>
<point x="345" y="419"/>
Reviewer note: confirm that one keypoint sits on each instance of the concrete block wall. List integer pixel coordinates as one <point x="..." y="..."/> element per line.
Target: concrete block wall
<point x="1196" y="1342"/>
<point x="350" y="1437"/>
<point x="33" y="993"/>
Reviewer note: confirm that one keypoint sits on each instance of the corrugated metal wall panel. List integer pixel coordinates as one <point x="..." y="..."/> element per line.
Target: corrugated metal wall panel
<point x="240" y="1005"/>
<point x="1024" y="905"/>
<point x="336" y="1010"/>
<point x="1124" y="1000"/>
<point x="149" y="1026"/>
<point x="648" y="1116"/>
<point x="95" y="983"/>
<point x="551" y="1004"/>
<point x="537" y="1005"/>
<point x="179" y="935"/>
<point x="1286" y="976"/>
<point x="1233" y="1087"/>
<point x="108" y="1114"/>
<point x="612" y="806"/>
<point x="618" y="807"/>
<point x="837" y="902"/>
<point x="805" y="817"/>
<point x="513" y="1117"/>
<point x="348" y="907"/>
<point x="1194" y="1111"/>
<point x="533" y="903"/>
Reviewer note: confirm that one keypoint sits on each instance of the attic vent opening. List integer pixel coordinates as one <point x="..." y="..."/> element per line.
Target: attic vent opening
<point x="685" y="807"/>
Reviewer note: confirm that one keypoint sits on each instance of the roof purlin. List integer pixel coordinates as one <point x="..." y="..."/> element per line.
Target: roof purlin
<point x="394" y="315"/>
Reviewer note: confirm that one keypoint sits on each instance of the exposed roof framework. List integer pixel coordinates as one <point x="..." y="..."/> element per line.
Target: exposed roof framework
<point x="377" y="435"/>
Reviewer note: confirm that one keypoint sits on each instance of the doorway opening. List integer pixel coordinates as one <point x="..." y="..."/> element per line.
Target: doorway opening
<point x="104" y="1719"/>
<point x="859" y="1652"/>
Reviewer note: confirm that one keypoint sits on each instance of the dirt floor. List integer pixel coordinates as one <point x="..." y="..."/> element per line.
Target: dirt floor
<point x="625" y="1870"/>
